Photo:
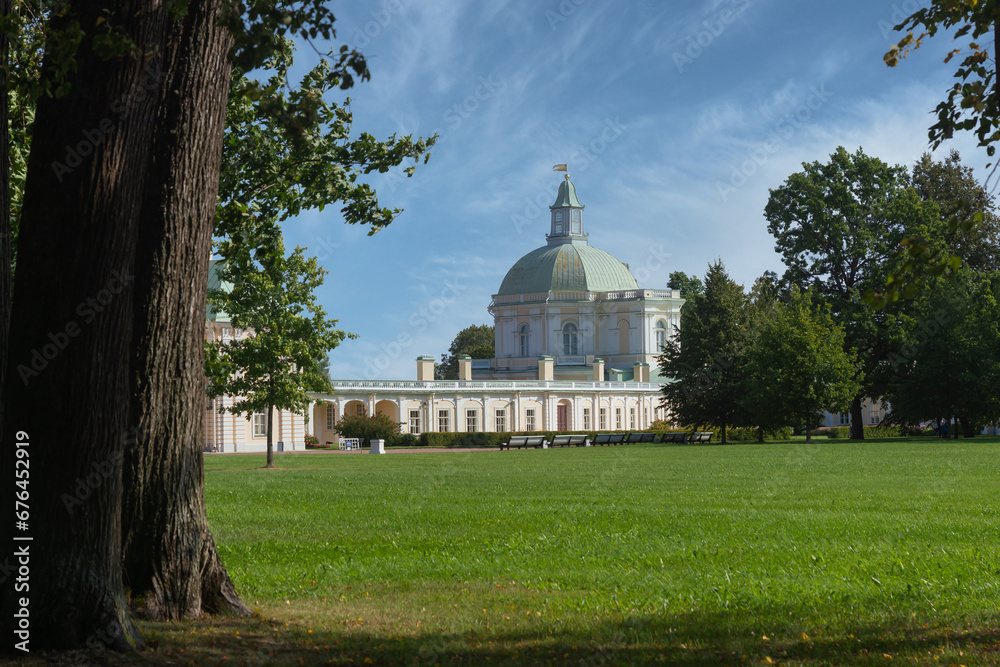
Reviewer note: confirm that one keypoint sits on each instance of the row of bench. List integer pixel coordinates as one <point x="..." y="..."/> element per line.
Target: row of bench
<point x="539" y="441"/>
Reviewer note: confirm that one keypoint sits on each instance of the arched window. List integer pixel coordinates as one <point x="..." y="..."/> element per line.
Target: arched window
<point x="522" y="335"/>
<point x="661" y="334"/>
<point x="569" y="338"/>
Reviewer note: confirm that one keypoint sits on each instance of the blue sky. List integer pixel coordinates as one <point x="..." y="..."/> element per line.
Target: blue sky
<point x="675" y="119"/>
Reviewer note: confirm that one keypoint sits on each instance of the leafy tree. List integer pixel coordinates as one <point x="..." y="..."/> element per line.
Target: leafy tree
<point x="958" y="194"/>
<point x="972" y="104"/>
<point x="689" y="286"/>
<point x="376" y="427"/>
<point x="948" y="364"/>
<point x="475" y="341"/>
<point x="156" y="162"/>
<point x="837" y="226"/>
<point x="705" y="358"/>
<point x="281" y="360"/>
<point x="797" y="365"/>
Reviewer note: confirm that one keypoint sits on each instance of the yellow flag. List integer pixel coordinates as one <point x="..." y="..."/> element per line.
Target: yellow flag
<point x="559" y="167"/>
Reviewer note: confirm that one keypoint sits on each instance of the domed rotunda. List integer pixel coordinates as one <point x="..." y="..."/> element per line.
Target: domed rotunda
<point x="570" y="311"/>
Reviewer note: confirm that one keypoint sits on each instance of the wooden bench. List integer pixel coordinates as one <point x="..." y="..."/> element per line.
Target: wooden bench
<point x="640" y="437"/>
<point x="700" y="436"/>
<point x="608" y="439"/>
<point x="674" y="437"/>
<point x="569" y="441"/>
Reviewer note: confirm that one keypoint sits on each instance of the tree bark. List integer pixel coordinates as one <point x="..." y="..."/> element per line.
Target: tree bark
<point x="67" y="384"/>
<point x="857" y="419"/>
<point x="169" y="557"/>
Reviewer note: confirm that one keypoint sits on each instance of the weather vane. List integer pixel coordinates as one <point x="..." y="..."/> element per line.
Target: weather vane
<point x="561" y="167"/>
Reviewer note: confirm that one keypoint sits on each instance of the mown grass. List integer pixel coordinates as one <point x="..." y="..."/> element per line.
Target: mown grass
<point x="826" y="554"/>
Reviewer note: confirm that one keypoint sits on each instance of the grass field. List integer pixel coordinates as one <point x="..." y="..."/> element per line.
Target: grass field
<point x="826" y="554"/>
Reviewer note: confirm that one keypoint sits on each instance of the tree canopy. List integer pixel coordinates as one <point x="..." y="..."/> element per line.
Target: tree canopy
<point x="837" y="226"/>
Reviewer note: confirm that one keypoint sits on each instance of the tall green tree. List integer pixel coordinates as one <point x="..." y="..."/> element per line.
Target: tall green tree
<point x="798" y="366"/>
<point x="960" y="196"/>
<point x="281" y="360"/>
<point x="837" y="226"/>
<point x="477" y="341"/>
<point x="705" y="360"/>
<point x="947" y="363"/>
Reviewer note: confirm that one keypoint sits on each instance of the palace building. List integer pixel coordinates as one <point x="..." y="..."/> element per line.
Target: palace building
<point x="576" y="345"/>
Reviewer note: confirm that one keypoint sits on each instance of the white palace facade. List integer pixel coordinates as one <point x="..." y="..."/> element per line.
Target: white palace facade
<point x="576" y="339"/>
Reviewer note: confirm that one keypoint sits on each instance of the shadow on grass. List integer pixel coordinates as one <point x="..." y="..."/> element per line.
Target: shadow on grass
<point x="691" y="639"/>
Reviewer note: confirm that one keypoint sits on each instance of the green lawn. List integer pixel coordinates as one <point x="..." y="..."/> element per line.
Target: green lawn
<point x="829" y="553"/>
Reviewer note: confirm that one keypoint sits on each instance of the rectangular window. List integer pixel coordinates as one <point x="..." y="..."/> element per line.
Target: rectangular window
<point x="604" y="419"/>
<point x="329" y="416"/>
<point x="631" y="418"/>
<point x="529" y="419"/>
<point x="645" y="416"/>
<point x="259" y="425"/>
<point x="501" y="420"/>
<point x="415" y="422"/>
<point x="875" y="414"/>
<point x="470" y="421"/>
<point x="442" y="421"/>
<point x="618" y="419"/>
<point x="845" y="419"/>
<point x="586" y="419"/>
<point x="359" y="409"/>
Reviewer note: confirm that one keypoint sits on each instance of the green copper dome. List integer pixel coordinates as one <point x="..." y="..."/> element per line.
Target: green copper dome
<point x="567" y="267"/>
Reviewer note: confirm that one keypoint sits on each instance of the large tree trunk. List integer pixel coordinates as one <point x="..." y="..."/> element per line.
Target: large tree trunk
<point x="967" y="430"/>
<point x="170" y="560"/>
<point x="857" y="419"/>
<point x="67" y="384"/>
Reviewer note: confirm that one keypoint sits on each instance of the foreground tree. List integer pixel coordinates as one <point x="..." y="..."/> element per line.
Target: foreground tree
<point x="797" y="366"/>
<point x="99" y="159"/>
<point x="972" y="104"/>
<point x="281" y="359"/>
<point x="837" y="226"/>
<point x="73" y="291"/>
<point x="476" y="341"/>
<point x="705" y="358"/>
